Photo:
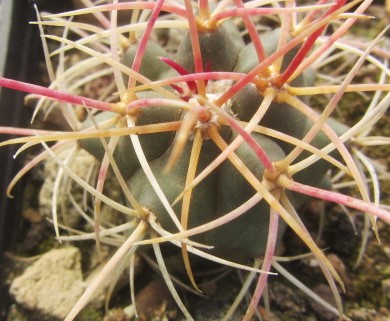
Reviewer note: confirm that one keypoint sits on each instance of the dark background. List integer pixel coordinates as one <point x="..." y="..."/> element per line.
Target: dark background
<point x="24" y="53"/>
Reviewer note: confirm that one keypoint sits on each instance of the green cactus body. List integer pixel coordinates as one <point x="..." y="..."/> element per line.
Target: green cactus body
<point x="151" y="66"/>
<point x="248" y="58"/>
<point x="222" y="191"/>
<point x="286" y="119"/>
<point x="316" y="171"/>
<point x="225" y="188"/>
<point x="280" y="116"/>
<point x="246" y="236"/>
<point x="220" y="47"/>
<point x="203" y="202"/>
<point x="154" y="145"/>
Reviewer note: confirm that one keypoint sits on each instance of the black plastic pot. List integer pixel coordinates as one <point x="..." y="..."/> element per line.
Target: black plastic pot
<point x="19" y="49"/>
<point x="20" y="52"/>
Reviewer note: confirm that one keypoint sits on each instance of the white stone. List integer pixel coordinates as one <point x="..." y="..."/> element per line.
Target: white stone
<point x="67" y="213"/>
<point x="52" y="284"/>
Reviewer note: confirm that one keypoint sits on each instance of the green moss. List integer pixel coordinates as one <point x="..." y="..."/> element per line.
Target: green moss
<point x="46" y="244"/>
<point x="90" y="314"/>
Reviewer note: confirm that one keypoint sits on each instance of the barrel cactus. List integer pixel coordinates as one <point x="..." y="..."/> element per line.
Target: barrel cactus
<point x="212" y="136"/>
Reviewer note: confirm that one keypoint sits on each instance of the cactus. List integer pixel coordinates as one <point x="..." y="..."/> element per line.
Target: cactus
<point x="211" y="144"/>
